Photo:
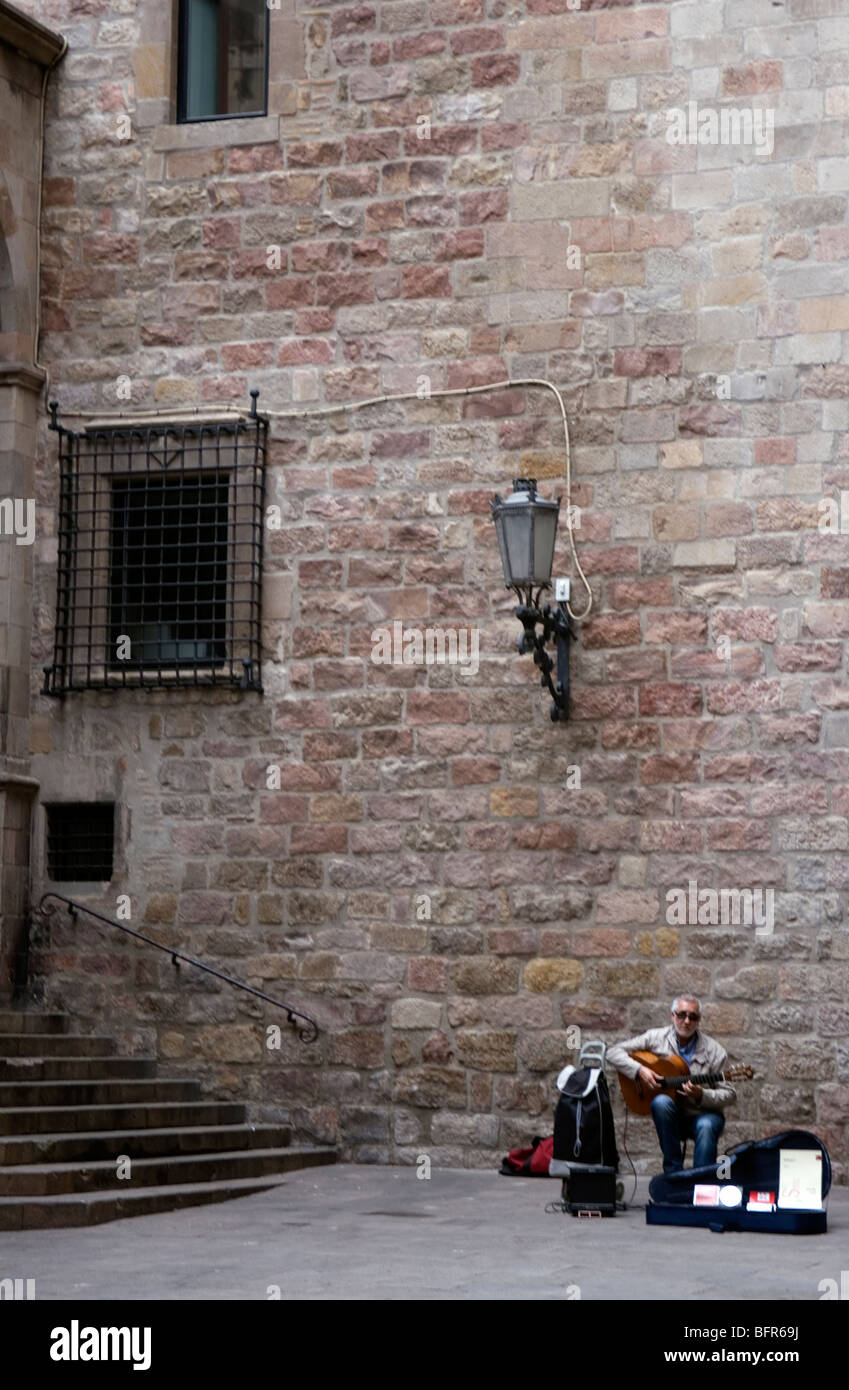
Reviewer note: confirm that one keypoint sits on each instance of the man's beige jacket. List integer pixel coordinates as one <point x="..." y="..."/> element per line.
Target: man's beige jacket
<point x="708" y="1056"/>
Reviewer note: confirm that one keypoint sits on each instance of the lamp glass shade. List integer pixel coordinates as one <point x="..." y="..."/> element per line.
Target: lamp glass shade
<point x="526" y="526"/>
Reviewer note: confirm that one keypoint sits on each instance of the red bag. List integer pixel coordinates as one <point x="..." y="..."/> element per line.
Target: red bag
<point x="529" y="1163"/>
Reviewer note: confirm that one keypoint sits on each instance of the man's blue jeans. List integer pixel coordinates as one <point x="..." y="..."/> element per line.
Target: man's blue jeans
<point x="673" y="1125"/>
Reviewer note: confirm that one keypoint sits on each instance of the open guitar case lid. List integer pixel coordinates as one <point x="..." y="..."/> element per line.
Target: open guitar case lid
<point x="754" y="1166"/>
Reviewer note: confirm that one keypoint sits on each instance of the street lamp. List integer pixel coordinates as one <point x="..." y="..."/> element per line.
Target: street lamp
<point x="526" y="527"/>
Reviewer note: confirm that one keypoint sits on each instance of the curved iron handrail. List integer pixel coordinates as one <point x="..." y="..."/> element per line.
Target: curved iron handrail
<point x="307" y="1034"/>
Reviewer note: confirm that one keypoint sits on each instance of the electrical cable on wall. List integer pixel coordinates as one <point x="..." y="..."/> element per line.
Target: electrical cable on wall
<point x="179" y="416"/>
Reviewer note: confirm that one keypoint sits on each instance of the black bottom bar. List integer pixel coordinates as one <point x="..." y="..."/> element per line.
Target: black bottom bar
<point x="259" y="1339"/>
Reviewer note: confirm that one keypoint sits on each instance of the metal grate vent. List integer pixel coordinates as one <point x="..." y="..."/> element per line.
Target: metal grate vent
<point x="80" y="842"/>
<point x="160" y="556"/>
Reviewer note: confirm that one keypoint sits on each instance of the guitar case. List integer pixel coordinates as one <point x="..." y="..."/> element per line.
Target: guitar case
<point x="754" y="1166"/>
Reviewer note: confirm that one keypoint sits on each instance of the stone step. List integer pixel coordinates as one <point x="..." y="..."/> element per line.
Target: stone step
<point x="84" y="1118"/>
<point x="55" y="1045"/>
<point x="121" y="1090"/>
<point x="21" y="1069"/>
<point x="23" y="1021"/>
<point x="50" y="1180"/>
<point x="140" y="1143"/>
<point x="89" y="1209"/>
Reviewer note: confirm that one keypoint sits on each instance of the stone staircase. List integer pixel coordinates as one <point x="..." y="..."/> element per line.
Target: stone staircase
<point x="70" y="1108"/>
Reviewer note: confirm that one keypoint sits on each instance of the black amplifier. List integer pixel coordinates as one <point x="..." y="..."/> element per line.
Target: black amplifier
<point x="590" y="1190"/>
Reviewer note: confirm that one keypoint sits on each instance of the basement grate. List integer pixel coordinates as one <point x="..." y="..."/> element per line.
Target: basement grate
<point x="80" y="842"/>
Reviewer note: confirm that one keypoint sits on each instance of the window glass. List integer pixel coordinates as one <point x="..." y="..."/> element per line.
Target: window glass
<point x="168" y="568"/>
<point x="223" y="58"/>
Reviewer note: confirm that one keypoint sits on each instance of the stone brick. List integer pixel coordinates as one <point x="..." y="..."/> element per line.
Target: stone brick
<point x="368" y="85"/>
<point x="629" y="980"/>
<point x="363" y="1048"/>
<point x="751" y="982"/>
<point x="205" y="909"/>
<point x="160" y="908"/>
<point x="481" y="40"/>
<point x="429" y="975"/>
<point x="673" y="629"/>
<point x="610" y="631"/>
<point x="514" y="801"/>
<point x="466" y="1129"/>
<point x="669" y="836"/>
<point x="485" y="975"/>
<point x="486" y="1051"/>
<point x="425" y="282"/>
<point x="544" y="1051"/>
<point x="808" y="656"/>
<point x="626" y="906"/>
<point x="685" y="453"/>
<point x="512" y="942"/>
<point x="494" y="68"/>
<point x="437" y="708"/>
<point x="553" y="974"/>
<point x="432" y="1088"/>
<point x="670" y="699"/>
<point x="600" y="941"/>
<point x="415" y="1013"/>
<point x="667" y="943"/>
<point x="751" y="79"/>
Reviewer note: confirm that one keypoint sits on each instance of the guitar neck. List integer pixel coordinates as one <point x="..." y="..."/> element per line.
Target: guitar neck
<point x="671" y="1083"/>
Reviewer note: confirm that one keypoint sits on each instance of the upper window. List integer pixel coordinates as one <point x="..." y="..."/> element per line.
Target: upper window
<point x="223" y="67"/>
<point x="160" y="555"/>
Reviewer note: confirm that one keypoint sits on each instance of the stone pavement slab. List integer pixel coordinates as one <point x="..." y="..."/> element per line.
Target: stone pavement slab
<point x="374" y="1232"/>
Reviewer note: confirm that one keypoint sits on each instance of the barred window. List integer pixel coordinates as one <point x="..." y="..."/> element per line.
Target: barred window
<point x="80" y="842"/>
<point x="160" y="556"/>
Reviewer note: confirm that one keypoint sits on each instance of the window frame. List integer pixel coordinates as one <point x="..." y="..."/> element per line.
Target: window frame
<point x="183" y="74"/>
<point x="91" y="462"/>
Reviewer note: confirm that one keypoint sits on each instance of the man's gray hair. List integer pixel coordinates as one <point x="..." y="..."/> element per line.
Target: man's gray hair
<point x="694" y="997"/>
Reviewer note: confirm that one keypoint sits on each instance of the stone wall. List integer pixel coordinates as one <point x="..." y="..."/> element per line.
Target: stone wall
<point x="463" y="191"/>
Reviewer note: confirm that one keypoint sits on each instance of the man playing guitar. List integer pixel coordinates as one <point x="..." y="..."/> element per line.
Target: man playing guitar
<point x="698" y="1113"/>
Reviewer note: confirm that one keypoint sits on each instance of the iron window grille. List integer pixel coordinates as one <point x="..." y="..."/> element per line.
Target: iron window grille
<point x="160" y="555"/>
<point x="80" y="842"/>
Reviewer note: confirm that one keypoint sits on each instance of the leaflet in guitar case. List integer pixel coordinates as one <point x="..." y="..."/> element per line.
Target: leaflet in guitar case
<point x="755" y="1169"/>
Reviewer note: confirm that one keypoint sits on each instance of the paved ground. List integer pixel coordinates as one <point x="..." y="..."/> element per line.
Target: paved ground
<point x="381" y="1233"/>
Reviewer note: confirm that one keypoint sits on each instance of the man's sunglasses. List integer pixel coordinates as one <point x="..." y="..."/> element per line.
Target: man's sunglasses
<point x="684" y="1014"/>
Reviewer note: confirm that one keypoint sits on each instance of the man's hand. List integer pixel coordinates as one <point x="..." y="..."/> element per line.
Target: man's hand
<point x="693" y="1093"/>
<point x="650" y="1079"/>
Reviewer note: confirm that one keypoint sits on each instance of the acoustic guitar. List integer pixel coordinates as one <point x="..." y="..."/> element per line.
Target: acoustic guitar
<point x="675" y="1073"/>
